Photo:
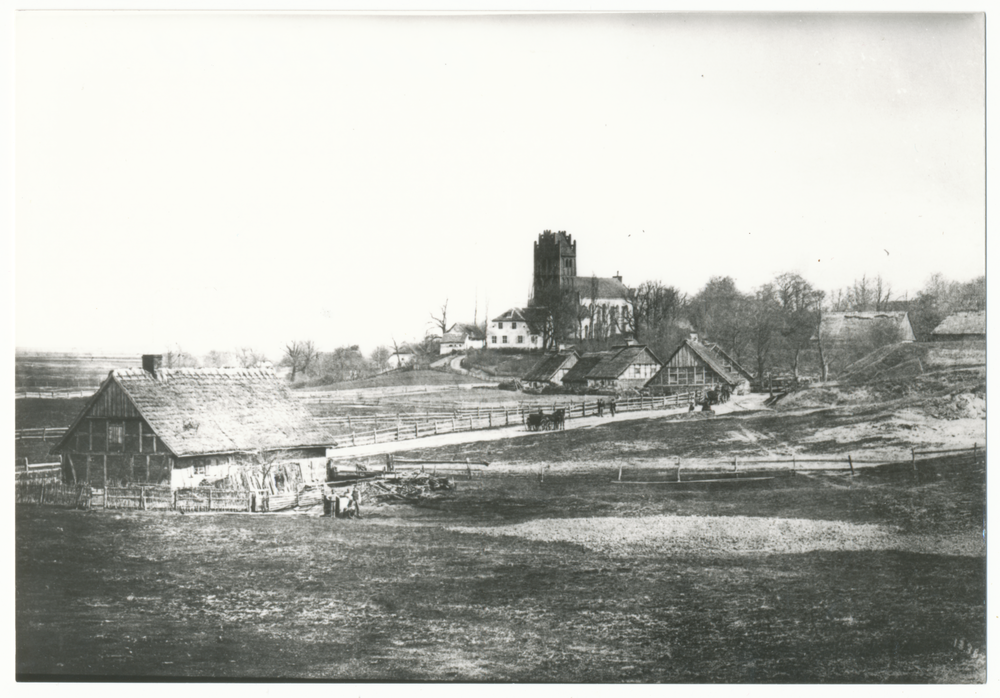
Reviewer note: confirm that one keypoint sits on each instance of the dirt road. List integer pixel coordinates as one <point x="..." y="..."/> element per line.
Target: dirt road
<point x="739" y="404"/>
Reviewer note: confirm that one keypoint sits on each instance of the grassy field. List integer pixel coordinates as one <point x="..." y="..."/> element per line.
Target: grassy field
<point x="516" y="578"/>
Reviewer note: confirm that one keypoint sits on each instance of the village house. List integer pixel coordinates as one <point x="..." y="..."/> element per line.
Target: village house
<point x="517" y="328"/>
<point x="695" y="366"/>
<point x="728" y="362"/>
<point x="551" y="370"/>
<point x="462" y="337"/>
<point x="961" y="327"/>
<point x="181" y="427"/>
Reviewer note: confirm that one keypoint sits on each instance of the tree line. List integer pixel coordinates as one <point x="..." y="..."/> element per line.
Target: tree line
<point x="769" y="330"/>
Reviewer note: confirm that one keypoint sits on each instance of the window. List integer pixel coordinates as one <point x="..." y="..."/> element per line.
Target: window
<point x="505" y="339"/>
<point x="520" y="339"/>
<point x="116" y="432"/>
<point x="494" y="339"/>
<point x="513" y="325"/>
<point x="499" y="325"/>
<point x="534" y="339"/>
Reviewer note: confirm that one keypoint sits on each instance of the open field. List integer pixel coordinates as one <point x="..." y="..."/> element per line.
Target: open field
<point x="67" y="370"/>
<point x="512" y="579"/>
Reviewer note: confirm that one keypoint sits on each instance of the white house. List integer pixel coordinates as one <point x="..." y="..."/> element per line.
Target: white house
<point x="462" y="337"/>
<point x="518" y="328"/>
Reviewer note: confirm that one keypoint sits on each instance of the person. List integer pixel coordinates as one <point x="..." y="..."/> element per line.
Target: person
<point x="356" y="499"/>
<point x="691" y="407"/>
<point x="613" y="406"/>
<point x="600" y="408"/>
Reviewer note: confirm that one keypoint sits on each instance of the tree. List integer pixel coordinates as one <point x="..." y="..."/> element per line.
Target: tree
<point x="720" y="312"/>
<point x="765" y="325"/>
<point x="345" y="363"/>
<point x="178" y="358"/>
<point x="562" y="306"/>
<point x="249" y="358"/>
<point x="300" y="356"/>
<point x="800" y="303"/>
<point x="442" y="322"/>
<point x="380" y="358"/>
<point x="218" y="359"/>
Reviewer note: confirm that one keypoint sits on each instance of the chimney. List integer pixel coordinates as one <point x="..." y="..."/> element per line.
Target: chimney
<point x="617" y="277"/>
<point x="152" y="363"/>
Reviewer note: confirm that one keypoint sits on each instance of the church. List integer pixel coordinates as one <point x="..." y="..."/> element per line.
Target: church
<point x="600" y="305"/>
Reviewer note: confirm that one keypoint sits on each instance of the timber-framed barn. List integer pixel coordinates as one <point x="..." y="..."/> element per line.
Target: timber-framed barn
<point x="179" y="427"/>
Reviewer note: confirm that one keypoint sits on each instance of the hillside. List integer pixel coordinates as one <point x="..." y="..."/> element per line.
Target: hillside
<point x="400" y="377"/>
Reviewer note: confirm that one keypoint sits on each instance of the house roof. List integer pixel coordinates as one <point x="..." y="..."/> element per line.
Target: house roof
<point x="618" y="362"/>
<point x="578" y="374"/>
<point x="606" y="287"/>
<point x="963" y="323"/>
<point x="534" y="318"/>
<point x="547" y="367"/>
<point x="197" y="411"/>
<point x="852" y="325"/>
<point x="459" y="331"/>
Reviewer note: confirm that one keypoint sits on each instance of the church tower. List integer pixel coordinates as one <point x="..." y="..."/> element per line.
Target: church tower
<point x="555" y="260"/>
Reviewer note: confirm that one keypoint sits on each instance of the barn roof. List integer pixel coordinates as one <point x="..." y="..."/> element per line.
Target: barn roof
<point x="459" y="331"/>
<point x="963" y="323"/>
<point x="197" y="411"/>
<point x="578" y="374"/>
<point x="851" y="326"/>
<point x="616" y="364"/>
<point x="606" y="287"/>
<point x="547" y="367"/>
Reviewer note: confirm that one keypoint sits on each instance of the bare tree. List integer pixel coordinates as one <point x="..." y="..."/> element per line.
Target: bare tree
<point x="178" y="358"/>
<point x="380" y="357"/>
<point x="442" y="322"/>
<point x="299" y="356"/>
<point x="249" y="358"/>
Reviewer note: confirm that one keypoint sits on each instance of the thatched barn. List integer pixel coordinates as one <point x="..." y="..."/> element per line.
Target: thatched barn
<point x="862" y="326"/>
<point x="695" y="366"/>
<point x="961" y="327"/>
<point x="576" y="377"/>
<point x="182" y="426"/>
<point x="551" y="369"/>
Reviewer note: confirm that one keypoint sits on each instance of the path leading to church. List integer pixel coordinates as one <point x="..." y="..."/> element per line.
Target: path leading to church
<point x="737" y="404"/>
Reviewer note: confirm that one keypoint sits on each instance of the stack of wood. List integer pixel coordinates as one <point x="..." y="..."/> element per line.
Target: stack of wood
<point x="410" y="488"/>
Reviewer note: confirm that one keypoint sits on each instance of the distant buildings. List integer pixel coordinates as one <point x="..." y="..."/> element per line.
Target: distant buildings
<point x="462" y="337"/>
<point x="601" y="306"/>
<point x="857" y="326"/>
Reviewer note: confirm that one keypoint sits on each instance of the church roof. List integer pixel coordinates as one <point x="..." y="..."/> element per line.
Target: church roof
<point x="607" y="288"/>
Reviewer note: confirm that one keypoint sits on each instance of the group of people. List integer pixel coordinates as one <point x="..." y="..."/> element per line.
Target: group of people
<point x="611" y="406"/>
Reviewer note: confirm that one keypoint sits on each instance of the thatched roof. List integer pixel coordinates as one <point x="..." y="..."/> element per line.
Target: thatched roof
<point x="724" y="357"/>
<point x="613" y="366"/>
<point x="710" y="357"/>
<point x="459" y="331"/>
<point x="200" y="411"/>
<point x="852" y="326"/>
<point x="968" y="323"/>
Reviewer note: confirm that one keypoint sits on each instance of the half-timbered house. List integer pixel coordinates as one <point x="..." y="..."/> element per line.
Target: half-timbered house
<point x="626" y="367"/>
<point x="551" y="370"/>
<point x="179" y="427"/>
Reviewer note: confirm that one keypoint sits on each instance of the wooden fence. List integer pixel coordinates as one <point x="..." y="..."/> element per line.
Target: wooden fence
<point x="976" y="454"/>
<point x="487" y="418"/>
<point x="43" y="433"/>
<point x="53" y="393"/>
<point x="50" y="473"/>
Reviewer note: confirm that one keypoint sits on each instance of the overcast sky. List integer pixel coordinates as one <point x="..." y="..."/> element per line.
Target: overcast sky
<point x="216" y="181"/>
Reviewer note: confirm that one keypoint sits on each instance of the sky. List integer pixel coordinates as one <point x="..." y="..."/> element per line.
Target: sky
<point x="214" y="181"/>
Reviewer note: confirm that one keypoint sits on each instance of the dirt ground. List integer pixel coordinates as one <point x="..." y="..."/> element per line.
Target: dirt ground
<point x="815" y="578"/>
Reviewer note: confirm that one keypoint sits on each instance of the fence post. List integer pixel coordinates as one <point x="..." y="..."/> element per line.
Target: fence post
<point x="506" y="417"/>
<point x="142" y="498"/>
<point x="620" y="465"/>
<point x="210" y="499"/>
<point x="678" y="470"/>
<point x="41" y="495"/>
<point x="913" y="455"/>
<point x="850" y="462"/>
<point x="468" y="468"/>
<point x="435" y="427"/>
<point x="416" y="432"/>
